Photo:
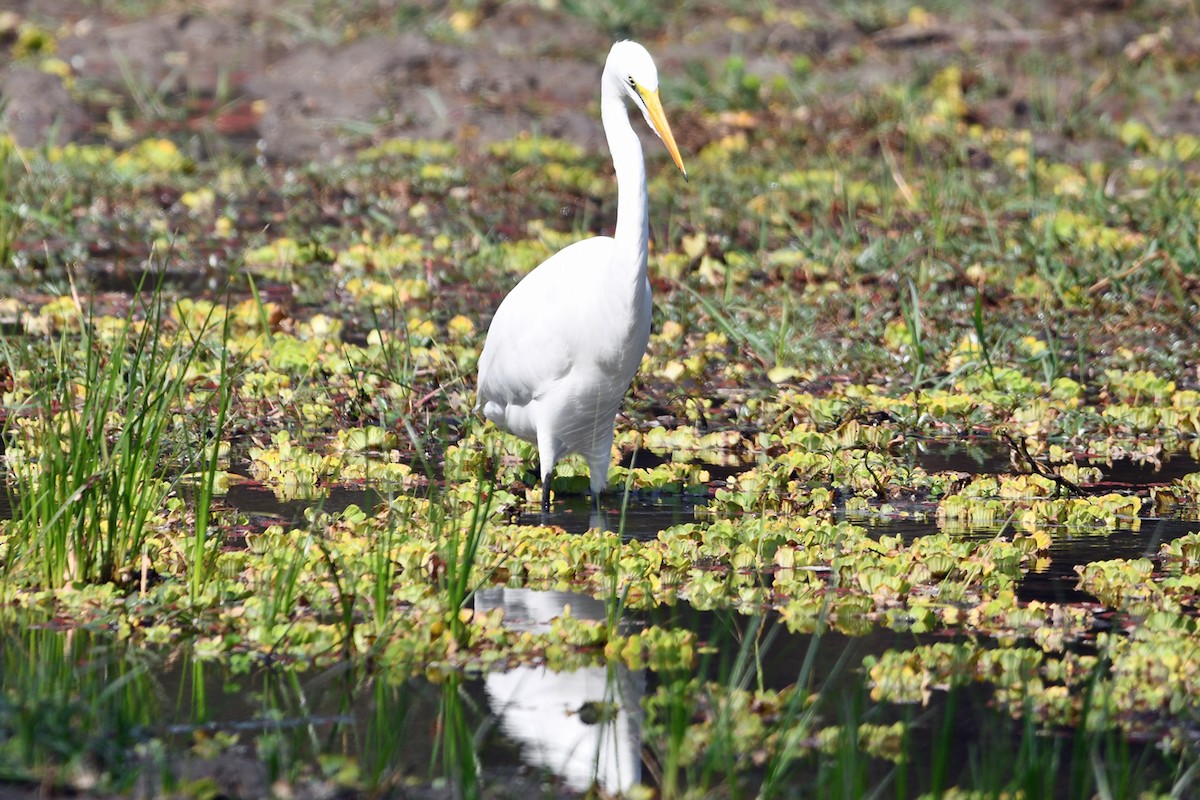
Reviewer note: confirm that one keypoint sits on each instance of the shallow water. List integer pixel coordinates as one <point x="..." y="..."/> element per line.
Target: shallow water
<point x="534" y="730"/>
<point x="528" y="723"/>
<point x="283" y="719"/>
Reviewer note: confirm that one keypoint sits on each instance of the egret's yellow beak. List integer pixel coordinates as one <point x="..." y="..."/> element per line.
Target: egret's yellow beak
<point x="659" y="120"/>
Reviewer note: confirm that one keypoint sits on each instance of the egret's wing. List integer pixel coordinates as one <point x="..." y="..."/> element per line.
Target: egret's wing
<point x="520" y="358"/>
<point x="528" y="343"/>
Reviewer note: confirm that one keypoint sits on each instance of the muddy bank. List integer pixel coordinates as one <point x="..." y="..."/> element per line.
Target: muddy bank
<point x="293" y="85"/>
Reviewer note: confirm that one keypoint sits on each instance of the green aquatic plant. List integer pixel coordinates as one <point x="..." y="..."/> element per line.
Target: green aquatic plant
<point x="717" y="729"/>
<point x="209" y="465"/>
<point x="462" y="534"/>
<point x="74" y="707"/>
<point x="1029" y="501"/>
<point x="92" y="461"/>
<point x="359" y="454"/>
<point x="456" y="740"/>
<point x="914" y="323"/>
<point x="10" y="212"/>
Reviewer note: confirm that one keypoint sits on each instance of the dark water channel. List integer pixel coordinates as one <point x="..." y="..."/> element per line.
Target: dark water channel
<point x="152" y="711"/>
<point x="149" y="713"/>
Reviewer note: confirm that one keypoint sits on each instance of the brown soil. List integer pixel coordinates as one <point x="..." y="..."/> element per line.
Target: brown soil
<point x="249" y="75"/>
<point x="242" y="73"/>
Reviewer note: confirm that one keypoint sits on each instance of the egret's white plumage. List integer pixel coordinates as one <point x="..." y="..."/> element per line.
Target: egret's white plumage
<point x="566" y="342"/>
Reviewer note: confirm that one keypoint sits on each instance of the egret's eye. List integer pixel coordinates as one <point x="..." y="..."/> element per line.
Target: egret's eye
<point x="633" y="83"/>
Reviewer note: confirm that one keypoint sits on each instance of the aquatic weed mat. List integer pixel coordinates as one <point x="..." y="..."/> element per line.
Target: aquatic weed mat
<point x="911" y="455"/>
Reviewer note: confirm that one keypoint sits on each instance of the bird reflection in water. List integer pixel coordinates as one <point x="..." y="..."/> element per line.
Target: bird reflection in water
<point x="585" y="725"/>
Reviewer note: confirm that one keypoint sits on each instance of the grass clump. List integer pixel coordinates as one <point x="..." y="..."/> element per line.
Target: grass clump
<point x="92" y="457"/>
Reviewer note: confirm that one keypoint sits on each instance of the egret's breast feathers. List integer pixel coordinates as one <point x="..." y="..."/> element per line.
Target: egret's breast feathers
<point x="534" y="339"/>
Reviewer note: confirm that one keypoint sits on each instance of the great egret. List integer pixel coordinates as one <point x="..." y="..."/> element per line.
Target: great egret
<point x="567" y="340"/>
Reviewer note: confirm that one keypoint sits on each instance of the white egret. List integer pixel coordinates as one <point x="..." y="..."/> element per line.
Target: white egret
<point x="566" y="342"/>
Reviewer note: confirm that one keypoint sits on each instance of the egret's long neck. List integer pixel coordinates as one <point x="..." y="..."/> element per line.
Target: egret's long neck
<point x="633" y="233"/>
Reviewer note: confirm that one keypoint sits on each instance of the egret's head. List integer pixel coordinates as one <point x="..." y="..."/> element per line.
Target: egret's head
<point x="630" y="65"/>
<point x="633" y="66"/>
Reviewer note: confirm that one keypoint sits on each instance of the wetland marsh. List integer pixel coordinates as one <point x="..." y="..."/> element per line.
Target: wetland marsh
<point x="906" y="495"/>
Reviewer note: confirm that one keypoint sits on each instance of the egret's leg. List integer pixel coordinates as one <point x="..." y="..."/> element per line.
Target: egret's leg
<point x="547" y="455"/>
<point x="598" y="461"/>
<point x="596" y="497"/>
<point x="596" y="520"/>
